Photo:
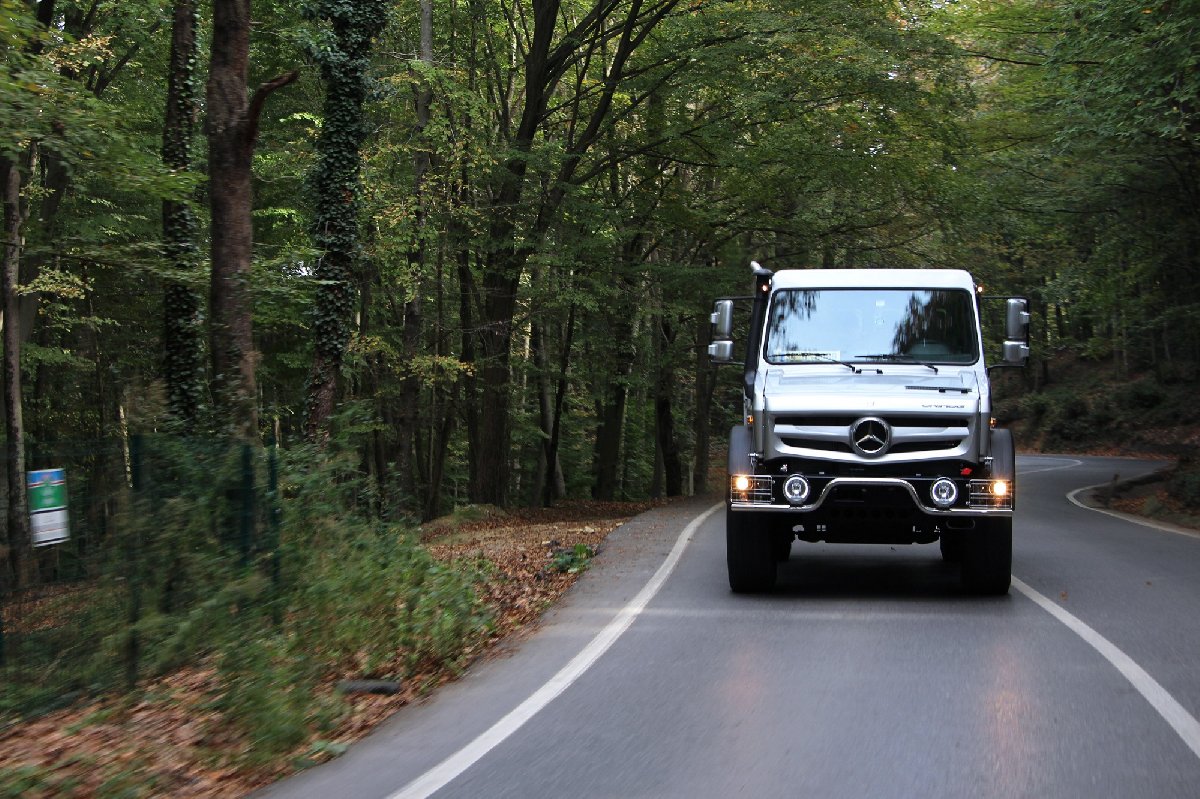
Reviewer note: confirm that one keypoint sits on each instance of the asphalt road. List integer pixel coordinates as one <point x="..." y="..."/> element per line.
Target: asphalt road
<point x="868" y="673"/>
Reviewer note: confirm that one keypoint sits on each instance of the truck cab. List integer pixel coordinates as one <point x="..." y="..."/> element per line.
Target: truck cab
<point x="867" y="418"/>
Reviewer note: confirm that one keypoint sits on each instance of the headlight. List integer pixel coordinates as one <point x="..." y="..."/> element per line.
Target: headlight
<point x="795" y="489"/>
<point x="943" y="493"/>
<point x="999" y="488"/>
<point x="741" y="483"/>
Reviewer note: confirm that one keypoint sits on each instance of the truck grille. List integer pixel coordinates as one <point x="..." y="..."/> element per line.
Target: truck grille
<point x="830" y="433"/>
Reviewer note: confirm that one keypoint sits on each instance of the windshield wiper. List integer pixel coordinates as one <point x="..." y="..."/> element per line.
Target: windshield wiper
<point x="899" y="358"/>
<point x="821" y="356"/>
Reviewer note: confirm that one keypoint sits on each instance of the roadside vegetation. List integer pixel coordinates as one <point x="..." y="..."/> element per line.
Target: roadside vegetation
<point x="240" y="669"/>
<point x="1072" y="403"/>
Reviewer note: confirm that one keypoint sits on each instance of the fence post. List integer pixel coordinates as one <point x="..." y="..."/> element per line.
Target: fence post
<point x="246" y="520"/>
<point x="3" y="604"/>
<point x="273" y="521"/>
<point x="137" y="476"/>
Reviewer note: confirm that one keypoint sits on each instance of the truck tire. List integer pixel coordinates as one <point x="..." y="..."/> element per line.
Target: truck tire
<point x="987" y="554"/>
<point x="987" y="557"/>
<point x="951" y="544"/>
<point x="748" y="554"/>
<point x="781" y="544"/>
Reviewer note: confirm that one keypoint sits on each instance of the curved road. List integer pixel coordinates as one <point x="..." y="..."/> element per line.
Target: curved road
<point x="866" y="674"/>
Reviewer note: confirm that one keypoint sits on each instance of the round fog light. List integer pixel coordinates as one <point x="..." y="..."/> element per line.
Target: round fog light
<point x="741" y="483"/>
<point x="943" y="493"/>
<point x="795" y="489"/>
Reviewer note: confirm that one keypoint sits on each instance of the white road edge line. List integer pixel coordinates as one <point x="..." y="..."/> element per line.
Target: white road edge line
<point x="1070" y="464"/>
<point x="441" y="774"/>
<point x="1181" y="721"/>
<point x="1162" y="526"/>
<point x="1185" y="724"/>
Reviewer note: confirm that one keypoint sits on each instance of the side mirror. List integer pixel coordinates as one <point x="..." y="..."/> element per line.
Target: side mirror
<point x="1017" y="321"/>
<point x="721" y="352"/>
<point x="722" y="320"/>
<point x="1016" y="353"/>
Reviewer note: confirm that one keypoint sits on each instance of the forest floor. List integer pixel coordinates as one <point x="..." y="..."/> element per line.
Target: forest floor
<point x="1149" y="499"/>
<point x="168" y="740"/>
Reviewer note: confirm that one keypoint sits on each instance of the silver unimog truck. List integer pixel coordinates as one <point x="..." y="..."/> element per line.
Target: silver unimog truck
<point x="867" y="418"/>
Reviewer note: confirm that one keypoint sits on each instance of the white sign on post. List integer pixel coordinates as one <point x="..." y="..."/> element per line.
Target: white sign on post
<point x="48" y="506"/>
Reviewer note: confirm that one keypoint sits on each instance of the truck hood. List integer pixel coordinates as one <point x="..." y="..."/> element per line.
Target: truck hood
<point x="900" y="389"/>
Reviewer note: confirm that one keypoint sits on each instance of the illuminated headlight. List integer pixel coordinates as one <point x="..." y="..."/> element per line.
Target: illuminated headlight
<point x="943" y="493"/>
<point x="999" y="488"/>
<point x="741" y="483"/>
<point x="795" y="489"/>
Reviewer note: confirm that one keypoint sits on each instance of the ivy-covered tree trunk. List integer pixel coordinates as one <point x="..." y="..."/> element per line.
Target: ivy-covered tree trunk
<point x="232" y="128"/>
<point x="183" y="366"/>
<point x="344" y="61"/>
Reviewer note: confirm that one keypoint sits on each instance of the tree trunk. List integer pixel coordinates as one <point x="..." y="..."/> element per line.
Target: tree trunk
<point x="19" y="547"/>
<point x="549" y="483"/>
<point x="183" y="365"/>
<point x="559" y="483"/>
<point x="232" y="127"/>
<point x="705" y="382"/>
<point x="612" y="412"/>
<point x="336" y="179"/>
<point x="469" y="380"/>
<point x="664" y="418"/>
<point x="229" y="162"/>
<point x="410" y="387"/>
<point x="490" y="480"/>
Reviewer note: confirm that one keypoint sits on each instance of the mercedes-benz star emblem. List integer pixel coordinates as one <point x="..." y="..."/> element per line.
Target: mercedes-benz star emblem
<point x="870" y="436"/>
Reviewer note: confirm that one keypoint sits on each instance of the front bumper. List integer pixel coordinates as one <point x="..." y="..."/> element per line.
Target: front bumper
<point x="976" y="497"/>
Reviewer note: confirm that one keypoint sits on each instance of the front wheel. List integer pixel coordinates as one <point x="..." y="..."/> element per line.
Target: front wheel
<point x="951" y="544"/>
<point x="781" y="542"/>
<point x="987" y="557"/>
<point x="749" y="554"/>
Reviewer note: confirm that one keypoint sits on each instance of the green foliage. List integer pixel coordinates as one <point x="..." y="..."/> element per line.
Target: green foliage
<point x="1184" y="484"/>
<point x="123" y="779"/>
<point x="574" y="560"/>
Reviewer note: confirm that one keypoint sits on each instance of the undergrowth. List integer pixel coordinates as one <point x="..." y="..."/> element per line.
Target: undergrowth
<point x="332" y="591"/>
<point x="1078" y="404"/>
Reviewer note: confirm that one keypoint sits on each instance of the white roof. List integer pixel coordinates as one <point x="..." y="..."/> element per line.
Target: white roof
<point x="873" y="278"/>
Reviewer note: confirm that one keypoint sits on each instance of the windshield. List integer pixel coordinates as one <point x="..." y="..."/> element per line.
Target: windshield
<point x="873" y="326"/>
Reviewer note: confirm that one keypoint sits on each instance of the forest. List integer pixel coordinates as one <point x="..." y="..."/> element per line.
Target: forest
<point x="489" y="232"/>
<point x="463" y="252"/>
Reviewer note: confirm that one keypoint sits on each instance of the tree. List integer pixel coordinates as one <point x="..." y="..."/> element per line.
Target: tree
<point x="343" y="56"/>
<point x="183" y="367"/>
<point x="232" y="128"/>
<point x="550" y="53"/>
<point x="16" y="211"/>
<point x="55" y="124"/>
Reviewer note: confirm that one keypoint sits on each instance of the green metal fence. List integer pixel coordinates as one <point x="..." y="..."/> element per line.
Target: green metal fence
<point x="157" y="525"/>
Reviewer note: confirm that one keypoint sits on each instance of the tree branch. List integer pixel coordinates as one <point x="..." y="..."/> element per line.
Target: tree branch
<point x="260" y="99"/>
